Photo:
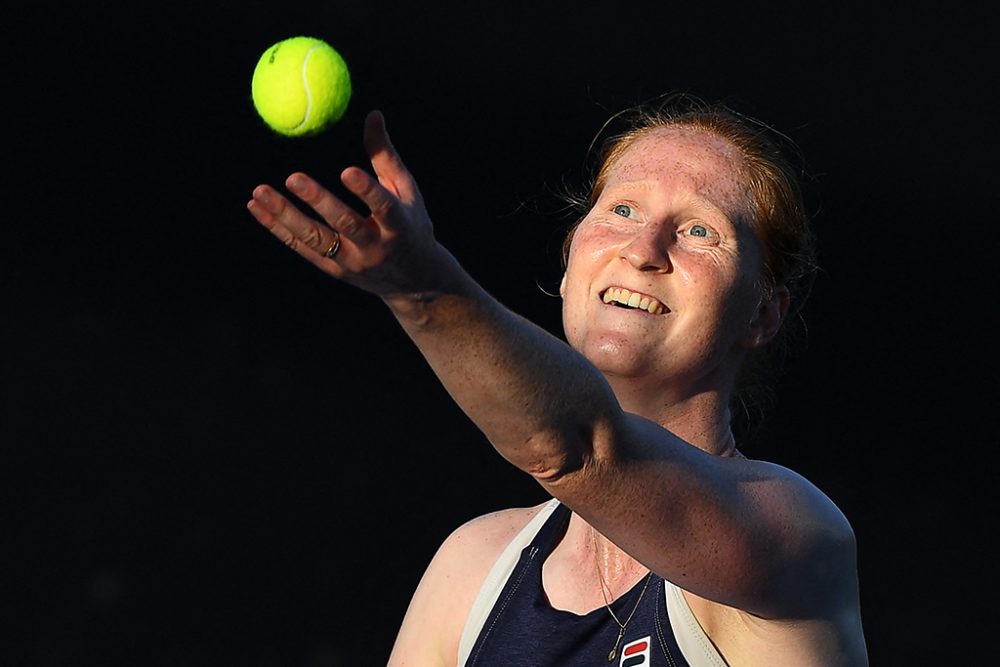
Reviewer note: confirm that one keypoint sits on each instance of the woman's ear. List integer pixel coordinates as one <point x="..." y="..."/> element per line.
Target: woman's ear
<point x="768" y="318"/>
<point x="562" y="286"/>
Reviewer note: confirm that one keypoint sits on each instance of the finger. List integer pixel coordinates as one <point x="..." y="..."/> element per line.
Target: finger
<point x="336" y="213"/>
<point x="386" y="162"/>
<point x="382" y="203"/>
<point x="267" y="220"/>
<point x="295" y="229"/>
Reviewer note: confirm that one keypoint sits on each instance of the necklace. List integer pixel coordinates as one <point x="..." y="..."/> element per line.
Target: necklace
<point x="607" y="604"/>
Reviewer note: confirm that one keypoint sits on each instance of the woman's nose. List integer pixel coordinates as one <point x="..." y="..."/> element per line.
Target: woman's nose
<point x="648" y="249"/>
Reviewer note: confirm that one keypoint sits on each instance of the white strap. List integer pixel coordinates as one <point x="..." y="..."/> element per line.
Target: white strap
<point x="697" y="648"/>
<point x="493" y="585"/>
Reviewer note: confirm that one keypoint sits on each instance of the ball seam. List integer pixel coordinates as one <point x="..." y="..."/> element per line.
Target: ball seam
<point x="305" y="85"/>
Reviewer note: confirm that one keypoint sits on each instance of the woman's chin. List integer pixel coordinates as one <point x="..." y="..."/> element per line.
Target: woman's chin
<point x="619" y="356"/>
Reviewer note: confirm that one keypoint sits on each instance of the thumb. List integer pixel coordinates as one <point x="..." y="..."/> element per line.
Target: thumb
<point x="386" y="162"/>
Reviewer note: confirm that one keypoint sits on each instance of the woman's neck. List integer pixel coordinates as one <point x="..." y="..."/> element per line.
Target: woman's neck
<point x="586" y="571"/>
<point x="700" y="418"/>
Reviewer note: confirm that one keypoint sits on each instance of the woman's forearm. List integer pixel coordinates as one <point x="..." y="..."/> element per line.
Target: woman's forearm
<point x="535" y="398"/>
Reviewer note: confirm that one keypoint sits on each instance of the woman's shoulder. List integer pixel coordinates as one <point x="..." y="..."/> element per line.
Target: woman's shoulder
<point x="480" y="541"/>
<point x="466" y="556"/>
<point x="433" y="625"/>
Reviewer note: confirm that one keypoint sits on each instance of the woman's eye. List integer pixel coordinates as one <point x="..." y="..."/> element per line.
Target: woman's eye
<point x="624" y="210"/>
<point x="698" y="230"/>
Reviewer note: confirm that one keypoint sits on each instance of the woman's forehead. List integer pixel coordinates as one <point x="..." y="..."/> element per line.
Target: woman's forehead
<point x="705" y="162"/>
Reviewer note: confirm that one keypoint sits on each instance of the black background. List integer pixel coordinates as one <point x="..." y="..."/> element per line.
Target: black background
<point x="216" y="455"/>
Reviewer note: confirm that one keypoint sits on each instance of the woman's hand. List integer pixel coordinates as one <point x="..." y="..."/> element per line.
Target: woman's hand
<point x="391" y="251"/>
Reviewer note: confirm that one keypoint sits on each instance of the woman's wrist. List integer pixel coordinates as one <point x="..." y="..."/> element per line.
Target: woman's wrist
<point x="444" y="280"/>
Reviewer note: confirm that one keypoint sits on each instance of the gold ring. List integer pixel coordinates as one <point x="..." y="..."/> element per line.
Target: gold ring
<point x="334" y="247"/>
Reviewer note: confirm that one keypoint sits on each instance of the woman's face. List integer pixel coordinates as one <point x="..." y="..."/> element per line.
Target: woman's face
<point x="660" y="278"/>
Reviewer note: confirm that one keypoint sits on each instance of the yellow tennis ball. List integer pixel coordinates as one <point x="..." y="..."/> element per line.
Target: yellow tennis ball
<point x="300" y="86"/>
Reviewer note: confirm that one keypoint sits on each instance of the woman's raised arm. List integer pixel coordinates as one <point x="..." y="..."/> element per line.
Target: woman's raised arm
<point x="747" y="534"/>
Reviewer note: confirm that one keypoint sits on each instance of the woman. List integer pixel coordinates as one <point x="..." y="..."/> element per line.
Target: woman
<point x="664" y="545"/>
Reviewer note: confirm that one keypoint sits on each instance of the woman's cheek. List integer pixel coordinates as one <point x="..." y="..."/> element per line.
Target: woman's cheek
<point x="705" y="264"/>
<point x="599" y="240"/>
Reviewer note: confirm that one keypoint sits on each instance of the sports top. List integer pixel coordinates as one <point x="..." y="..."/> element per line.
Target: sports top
<point x="512" y="623"/>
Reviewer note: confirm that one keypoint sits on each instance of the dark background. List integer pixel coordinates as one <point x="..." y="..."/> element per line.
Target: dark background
<point x="212" y="454"/>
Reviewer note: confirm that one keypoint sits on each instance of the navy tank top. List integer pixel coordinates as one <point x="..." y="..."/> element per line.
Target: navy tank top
<point x="523" y="629"/>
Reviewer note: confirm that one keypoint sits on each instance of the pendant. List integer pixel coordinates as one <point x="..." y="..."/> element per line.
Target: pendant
<point x="614" y="649"/>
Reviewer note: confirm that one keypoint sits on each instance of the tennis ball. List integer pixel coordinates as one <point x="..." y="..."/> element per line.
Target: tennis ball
<point x="300" y="86"/>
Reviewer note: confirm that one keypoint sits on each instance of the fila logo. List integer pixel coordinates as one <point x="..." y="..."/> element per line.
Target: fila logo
<point x="635" y="654"/>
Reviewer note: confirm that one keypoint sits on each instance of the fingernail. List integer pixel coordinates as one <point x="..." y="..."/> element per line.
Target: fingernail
<point x="297" y="183"/>
<point x="264" y="197"/>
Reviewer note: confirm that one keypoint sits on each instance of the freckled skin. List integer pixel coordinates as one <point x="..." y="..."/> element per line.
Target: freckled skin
<point x="671" y="179"/>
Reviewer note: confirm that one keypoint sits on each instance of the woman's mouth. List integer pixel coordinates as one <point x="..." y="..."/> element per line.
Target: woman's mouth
<point x="623" y="298"/>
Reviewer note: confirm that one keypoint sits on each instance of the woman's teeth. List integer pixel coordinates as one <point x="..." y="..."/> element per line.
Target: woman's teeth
<point x="624" y="297"/>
